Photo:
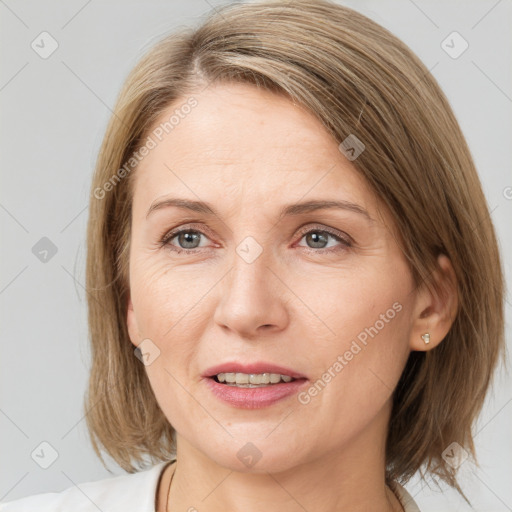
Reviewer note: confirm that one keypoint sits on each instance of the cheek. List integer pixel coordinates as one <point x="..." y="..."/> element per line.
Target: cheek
<point x="344" y="303"/>
<point x="170" y="314"/>
<point x="172" y="311"/>
<point x="168" y="301"/>
<point x="358" y="363"/>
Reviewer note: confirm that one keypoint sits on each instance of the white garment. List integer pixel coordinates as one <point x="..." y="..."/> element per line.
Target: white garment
<point x="133" y="492"/>
<point x="405" y="499"/>
<point x="126" y="493"/>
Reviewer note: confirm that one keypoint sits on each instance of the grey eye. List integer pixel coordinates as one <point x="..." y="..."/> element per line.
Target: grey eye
<point x="188" y="239"/>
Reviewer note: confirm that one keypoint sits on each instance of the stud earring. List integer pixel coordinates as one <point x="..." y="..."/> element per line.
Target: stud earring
<point x="426" y="338"/>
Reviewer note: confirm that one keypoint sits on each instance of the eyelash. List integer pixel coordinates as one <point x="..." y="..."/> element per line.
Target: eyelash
<point x="345" y="241"/>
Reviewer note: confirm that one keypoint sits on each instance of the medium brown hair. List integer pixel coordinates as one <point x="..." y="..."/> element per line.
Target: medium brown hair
<point x="359" y="79"/>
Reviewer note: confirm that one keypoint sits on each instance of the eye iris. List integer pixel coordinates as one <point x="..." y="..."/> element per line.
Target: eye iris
<point x="317" y="238"/>
<point x="187" y="237"/>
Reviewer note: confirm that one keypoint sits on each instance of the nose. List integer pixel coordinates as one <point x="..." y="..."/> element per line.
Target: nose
<point x="253" y="300"/>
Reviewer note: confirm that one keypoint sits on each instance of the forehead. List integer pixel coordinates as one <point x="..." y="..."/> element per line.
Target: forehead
<point x="249" y="145"/>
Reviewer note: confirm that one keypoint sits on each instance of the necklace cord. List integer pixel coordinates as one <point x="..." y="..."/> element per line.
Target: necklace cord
<point x="169" y="491"/>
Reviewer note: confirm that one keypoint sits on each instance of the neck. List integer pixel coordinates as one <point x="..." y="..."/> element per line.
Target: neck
<point x="351" y="478"/>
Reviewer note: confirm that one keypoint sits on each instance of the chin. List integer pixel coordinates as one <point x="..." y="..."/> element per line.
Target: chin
<point x="258" y="457"/>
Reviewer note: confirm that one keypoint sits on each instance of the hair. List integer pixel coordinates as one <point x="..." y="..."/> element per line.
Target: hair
<point x="357" y="78"/>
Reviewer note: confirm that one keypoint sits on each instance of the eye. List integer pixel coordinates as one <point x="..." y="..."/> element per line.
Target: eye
<point x="188" y="240"/>
<point x="319" y="238"/>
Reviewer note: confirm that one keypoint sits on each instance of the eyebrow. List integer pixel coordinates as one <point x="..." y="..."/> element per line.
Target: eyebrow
<point x="291" y="209"/>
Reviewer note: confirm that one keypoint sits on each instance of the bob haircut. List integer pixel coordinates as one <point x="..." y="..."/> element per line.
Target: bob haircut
<point x="357" y="78"/>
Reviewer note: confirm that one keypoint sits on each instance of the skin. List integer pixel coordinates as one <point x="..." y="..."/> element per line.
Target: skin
<point x="248" y="152"/>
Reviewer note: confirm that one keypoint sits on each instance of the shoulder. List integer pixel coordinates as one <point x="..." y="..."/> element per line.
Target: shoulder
<point x="134" y="491"/>
<point x="406" y="500"/>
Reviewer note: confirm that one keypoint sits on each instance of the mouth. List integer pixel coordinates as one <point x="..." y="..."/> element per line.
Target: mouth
<point x="251" y="380"/>
<point x="253" y="386"/>
<point x="251" y="374"/>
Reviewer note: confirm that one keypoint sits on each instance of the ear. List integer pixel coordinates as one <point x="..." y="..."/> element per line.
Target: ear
<point x="435" y="311"/>
<point x="131" y="320"/>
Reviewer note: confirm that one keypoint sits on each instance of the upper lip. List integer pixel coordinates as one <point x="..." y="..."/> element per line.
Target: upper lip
<point x="258" y="367"/>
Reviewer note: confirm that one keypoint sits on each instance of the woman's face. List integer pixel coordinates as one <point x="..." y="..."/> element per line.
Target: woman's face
<point x="322" y="295"/>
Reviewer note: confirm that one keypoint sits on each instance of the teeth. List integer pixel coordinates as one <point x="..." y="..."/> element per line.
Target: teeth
<point x="265" y="378"/>
<point x="242" y="378"/>
<point x="253" y="379"/>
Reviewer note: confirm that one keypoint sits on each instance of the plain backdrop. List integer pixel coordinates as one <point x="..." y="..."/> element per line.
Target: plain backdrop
<point x="53" y="117"/>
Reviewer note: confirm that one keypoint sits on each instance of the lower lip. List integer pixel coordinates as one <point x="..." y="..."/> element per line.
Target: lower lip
<point x="254" y="398"/>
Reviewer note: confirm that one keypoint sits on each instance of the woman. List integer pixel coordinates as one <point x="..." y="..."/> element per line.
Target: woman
<point x="288" y="250"/>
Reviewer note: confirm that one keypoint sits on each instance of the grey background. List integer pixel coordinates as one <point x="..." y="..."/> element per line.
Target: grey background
<point x="54" y="113"/>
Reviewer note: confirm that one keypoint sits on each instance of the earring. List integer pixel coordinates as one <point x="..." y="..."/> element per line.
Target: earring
<point x="426" y="338"/>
